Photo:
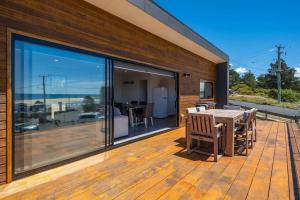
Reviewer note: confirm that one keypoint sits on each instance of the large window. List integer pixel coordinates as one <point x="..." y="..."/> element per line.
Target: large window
<point x="59" y="103"/>
<point x="206" y="90"/>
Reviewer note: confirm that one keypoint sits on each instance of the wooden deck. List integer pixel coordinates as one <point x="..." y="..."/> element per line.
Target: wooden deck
<point x="295" y="149"/>
<point x="159" y="168"/>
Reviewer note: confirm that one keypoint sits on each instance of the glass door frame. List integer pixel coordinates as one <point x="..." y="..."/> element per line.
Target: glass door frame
<point x="176" y="78"/>
<point x="109" y="120"/>
<point x="108" y="100"/>
<point x="109" y="95"/>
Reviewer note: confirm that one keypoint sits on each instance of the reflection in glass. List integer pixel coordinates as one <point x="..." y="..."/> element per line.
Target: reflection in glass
<point x="206" y="90"/>
<point x="59" y="104"/>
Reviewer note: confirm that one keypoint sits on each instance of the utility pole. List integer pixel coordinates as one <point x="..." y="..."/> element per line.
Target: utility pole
<point x="44" y="92"/>
<point x="278" y="71"/>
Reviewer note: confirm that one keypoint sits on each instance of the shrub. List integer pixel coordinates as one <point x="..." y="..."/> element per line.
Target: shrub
<point x="261" y="92"/>
<point x="243" y="89"/>
<point x="287" y="95"/>
<point x="273" y="93"/>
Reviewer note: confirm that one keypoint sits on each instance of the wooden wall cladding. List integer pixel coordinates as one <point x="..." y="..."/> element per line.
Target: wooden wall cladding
<point x="3" y="79"/>
<point x="82" y="24"/>
<point x="185" y="102"/>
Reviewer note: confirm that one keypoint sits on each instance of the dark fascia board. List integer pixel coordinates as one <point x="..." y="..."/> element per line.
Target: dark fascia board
<point x="159" y="13"/>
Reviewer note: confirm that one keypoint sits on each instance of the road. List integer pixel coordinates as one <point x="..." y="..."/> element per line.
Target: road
<point x="284" y="112"/>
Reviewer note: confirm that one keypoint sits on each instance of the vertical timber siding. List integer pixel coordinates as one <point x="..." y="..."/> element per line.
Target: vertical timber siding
<point x="222" y="84"/>
<point x="3" y="98"/>
<point x="81" y="24"/>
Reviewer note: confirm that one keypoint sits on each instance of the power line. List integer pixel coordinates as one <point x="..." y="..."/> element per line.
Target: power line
<point x="266" y="49"/>
<point x="247" y="65"/>
<point x="260" y="52"/>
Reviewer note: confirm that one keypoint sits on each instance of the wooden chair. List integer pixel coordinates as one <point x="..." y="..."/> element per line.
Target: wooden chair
<point x="195" y="109"/>
<point x="142" y="118"/>
<point x="134" y="102"/>
<point x="191" y="110"/>
<point x="148" y="114"/>
<point x="203" y="105"/>
<point x="132" y="118"/>
<point x="201" y="108"/>
<point x="244" y="130"/>
<point x="202" y="127"/>
<point x="143" y="103"/>
<point x="254" y="124"/>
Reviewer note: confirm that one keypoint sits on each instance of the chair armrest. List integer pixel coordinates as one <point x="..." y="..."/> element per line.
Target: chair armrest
<point x="219" y="125"/>
<point x="241" y="124"/>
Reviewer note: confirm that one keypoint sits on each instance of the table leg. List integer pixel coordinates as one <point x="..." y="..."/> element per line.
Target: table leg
<point x="229" y="151"/>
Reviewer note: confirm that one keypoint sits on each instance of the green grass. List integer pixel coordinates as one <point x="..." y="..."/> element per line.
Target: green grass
<point x="263" y="100"/>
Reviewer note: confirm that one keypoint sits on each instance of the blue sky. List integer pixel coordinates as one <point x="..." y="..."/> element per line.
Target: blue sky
<point x="67" y="72"/>
<point x="246" y="30"/>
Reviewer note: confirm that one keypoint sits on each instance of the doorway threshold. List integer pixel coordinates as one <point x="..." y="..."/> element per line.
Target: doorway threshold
<point x="141" y="136"/>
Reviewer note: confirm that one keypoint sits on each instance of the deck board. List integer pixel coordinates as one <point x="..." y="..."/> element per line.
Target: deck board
<point x="279" y="188"/>
<point x="294" y="139"/>
<point x="240" y="186"/>
<point x="259" y="188"/>
<point x="159" y="168"/>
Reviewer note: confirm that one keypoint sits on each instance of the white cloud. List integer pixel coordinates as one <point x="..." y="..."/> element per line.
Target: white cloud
<point x="230" y="64"/>
<point x="297" y="74"/>
<point x="270" y="50"/>
<point x="241" y="70"/>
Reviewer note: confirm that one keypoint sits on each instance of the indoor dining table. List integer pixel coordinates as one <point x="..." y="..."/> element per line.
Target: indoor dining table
<point x="131" y="109"/>
<point x="228" y="118"/>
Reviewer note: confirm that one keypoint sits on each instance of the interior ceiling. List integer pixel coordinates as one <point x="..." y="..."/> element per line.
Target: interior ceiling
<point x="123" y="72"/>
<point x="129" y="12"/>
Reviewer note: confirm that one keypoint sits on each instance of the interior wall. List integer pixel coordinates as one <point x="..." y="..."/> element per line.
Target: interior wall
<point x="130" y="92"/>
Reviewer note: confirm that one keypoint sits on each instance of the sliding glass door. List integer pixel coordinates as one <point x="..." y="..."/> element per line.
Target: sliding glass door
<point x="64" y="104"/>
<point x="60" y="103"/>
<point x="145" y="101"/>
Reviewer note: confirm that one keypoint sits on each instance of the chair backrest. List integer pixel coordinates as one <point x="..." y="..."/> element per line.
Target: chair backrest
<point x="134" y="102"/>
<point x="232" y="107"/>
<point x="202" y="104"/>
<point x="254" y="111"/>
<point x="251" y="117"/>
<point x="191" y="110"/>
<point x="143" y="103"/>
<point x="120" y="106"/>
<point x="148" y="111"/>
<point x="201" y="108"/>
<point x="202" y="124"/>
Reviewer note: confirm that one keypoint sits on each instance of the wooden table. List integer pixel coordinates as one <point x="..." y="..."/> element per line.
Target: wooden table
<point x="131" y="109"/>
<point x="229" y="118"/>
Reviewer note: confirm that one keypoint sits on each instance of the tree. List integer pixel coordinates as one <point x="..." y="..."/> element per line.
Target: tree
<point x="288" y="79"/>
<point x="88" y="104"/>
<point x="297" y="85"/>
<point x="249" y="79"/>
<point x="234" y="78"/>
<point x="261" y="81"/>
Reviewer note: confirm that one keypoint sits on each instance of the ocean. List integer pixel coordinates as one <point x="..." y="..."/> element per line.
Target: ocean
<point x="52" y="96"/>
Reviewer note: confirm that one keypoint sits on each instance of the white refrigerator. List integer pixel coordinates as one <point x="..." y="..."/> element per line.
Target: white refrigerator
<point x="160" y="100"/>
